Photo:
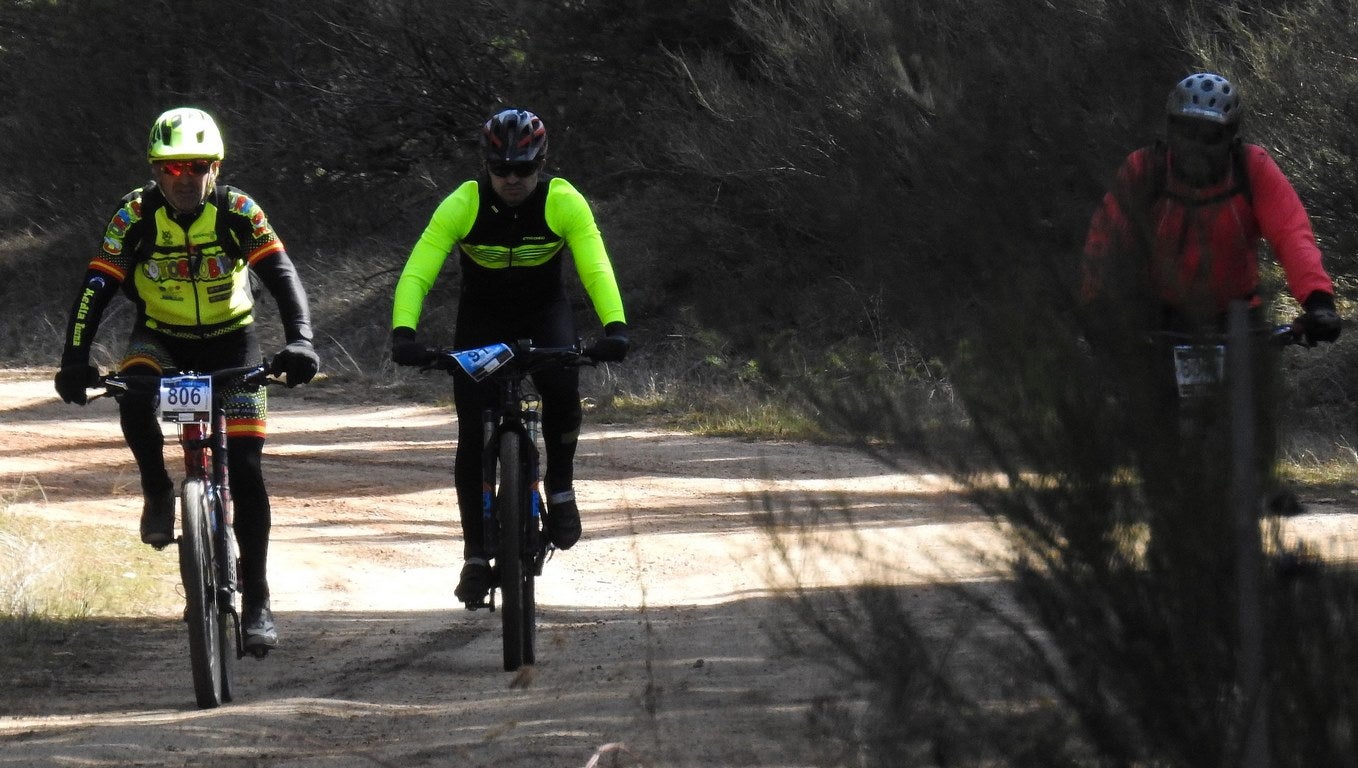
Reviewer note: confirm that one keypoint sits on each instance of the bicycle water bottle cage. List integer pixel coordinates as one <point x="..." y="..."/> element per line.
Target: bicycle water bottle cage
<point x="483" y="361"/>
<point x="1199" y="369"/>
<point x="186" y="399"/>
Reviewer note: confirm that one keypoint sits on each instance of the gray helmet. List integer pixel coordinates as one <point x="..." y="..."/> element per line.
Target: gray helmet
<point x="514" y="136"/>
<point x="1205" y="96"/>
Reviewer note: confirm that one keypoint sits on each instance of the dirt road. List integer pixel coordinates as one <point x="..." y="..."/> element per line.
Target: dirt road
<point x="653" y="630"/>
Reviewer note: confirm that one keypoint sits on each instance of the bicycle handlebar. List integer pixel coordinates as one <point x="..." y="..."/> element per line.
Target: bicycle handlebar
<point x="1284" y="335"/>
<point x="526" y="359"/>
<point x="114" y="383"/>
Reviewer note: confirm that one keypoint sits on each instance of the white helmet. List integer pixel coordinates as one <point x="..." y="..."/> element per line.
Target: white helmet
<point x="1205" y="96"/>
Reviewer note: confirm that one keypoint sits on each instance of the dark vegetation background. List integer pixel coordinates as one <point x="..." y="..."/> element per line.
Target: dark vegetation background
<point x="875" y="207"/>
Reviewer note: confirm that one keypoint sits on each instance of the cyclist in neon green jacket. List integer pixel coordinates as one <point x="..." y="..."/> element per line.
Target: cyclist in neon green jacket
<point x="510" y="228"/>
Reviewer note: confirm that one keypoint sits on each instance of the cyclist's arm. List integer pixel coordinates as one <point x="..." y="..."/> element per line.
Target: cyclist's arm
<point x="1109" y="227"/>
<point x="268" y="259"/>
<point x="103" y="276"/>
<point x="451" y="221"/>
<point x="569" y="215"/>
<point x="1285" y="225"/>
<point x="96" y="291"/>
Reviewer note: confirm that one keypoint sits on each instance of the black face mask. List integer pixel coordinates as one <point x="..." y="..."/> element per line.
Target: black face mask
<point x="1200" y="151"/>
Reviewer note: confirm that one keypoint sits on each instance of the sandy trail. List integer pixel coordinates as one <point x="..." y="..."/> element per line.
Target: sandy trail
<point x="653" y="630"/>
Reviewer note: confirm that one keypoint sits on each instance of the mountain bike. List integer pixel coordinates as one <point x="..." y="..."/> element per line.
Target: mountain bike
<point x="1212" y="371"/>
<point x="207" y="544"/>
<point x="511" y="476"/>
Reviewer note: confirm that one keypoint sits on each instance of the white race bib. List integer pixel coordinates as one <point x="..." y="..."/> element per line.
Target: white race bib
<point x="186" y="399"/>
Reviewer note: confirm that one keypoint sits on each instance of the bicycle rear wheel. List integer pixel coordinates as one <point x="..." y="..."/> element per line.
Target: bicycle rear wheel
<point x="199" y="573"/>
<point x="511" y="505"/>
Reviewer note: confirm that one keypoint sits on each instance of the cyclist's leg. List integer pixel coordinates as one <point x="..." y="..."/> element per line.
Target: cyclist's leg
<point x="475" y="579"/>
<point x="253" y="520"/>
<point x="471" y="399"/>
<point x="554" y="326"/>
<point x="476" y="326"/>
<point x="561" y="418"/>
<point x="147" y="355"/>
<point x="1268" y="394"/>
<point x="253" y="512"/>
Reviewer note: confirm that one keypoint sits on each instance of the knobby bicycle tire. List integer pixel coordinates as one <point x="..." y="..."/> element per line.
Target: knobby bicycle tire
<point x="530" y="610"/>
<point x="511" y="503"/>
<point x="532" y="563"/>
<point x="198" y="571"/>
<point x="228" y="629"/>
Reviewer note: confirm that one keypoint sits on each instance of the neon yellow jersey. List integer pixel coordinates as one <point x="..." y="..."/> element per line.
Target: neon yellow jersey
<point x="185" y="279"/>
<point x="510" y="255"/>
<point x="189" y="279"/>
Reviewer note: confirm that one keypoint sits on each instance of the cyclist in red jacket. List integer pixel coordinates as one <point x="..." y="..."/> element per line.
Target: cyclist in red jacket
<point x="1182" y="224"/>
<point x="1173" y="244"/>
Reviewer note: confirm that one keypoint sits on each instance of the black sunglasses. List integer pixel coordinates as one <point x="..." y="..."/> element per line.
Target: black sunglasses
<point x="522" y="170"/>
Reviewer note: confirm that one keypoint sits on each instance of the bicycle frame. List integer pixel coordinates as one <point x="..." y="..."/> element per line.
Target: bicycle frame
<point x="205" y="461"/>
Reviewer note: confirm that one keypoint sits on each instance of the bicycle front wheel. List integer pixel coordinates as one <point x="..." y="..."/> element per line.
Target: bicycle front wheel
<point x="516" y="591"/>
<point x="198" y="571"/>
<point x="228" y="615"/>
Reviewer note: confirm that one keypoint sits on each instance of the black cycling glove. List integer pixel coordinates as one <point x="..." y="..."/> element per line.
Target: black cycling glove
<point x="1320" y="321"/>
<point x="612" y="348"/>
<point x="298" y="361"/>
<point x="405" y="350"/>
<point x="73" y="379"/>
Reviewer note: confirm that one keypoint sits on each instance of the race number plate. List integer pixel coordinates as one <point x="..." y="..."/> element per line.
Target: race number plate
<point x="1199" y="368"/>
<point x="482" y="362"/>
<point x="186" y="399"/>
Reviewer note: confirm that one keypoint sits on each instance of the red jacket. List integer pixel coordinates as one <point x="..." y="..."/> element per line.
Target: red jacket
<point x="1205" y="244"/>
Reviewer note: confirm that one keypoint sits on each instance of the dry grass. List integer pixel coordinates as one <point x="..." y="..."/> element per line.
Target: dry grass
<point x="52" y="573"/>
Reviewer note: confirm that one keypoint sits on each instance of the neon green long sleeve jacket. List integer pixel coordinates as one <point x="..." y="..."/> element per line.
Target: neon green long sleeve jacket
<point x="510" y="256"/>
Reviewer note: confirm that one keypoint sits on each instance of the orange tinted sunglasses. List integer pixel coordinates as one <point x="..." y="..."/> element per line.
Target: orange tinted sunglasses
<point x="181" y="167"/>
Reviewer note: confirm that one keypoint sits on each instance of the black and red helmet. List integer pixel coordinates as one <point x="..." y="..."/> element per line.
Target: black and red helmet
<point x="514" y="136"/>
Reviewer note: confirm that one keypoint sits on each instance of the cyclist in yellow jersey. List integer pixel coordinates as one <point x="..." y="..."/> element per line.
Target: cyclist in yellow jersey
<point x="183" y="248"/>
<point x="510" y="228"/>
